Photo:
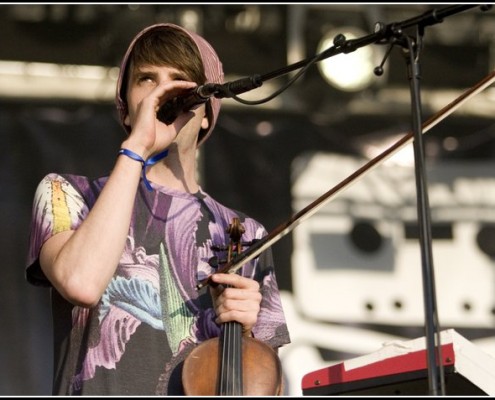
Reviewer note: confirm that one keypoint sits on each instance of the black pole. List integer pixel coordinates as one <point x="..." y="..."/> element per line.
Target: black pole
<point x="436" y="379"/>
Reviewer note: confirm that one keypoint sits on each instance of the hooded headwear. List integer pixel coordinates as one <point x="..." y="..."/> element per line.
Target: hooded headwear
<point x="212" y="66"/>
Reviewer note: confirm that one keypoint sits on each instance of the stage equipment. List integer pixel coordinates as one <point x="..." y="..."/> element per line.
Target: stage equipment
<point x="348" y="72"/>
<point x="399" y="368"/>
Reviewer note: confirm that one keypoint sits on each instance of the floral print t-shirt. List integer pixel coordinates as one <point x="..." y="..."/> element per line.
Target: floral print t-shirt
<point x="151" y="314"/>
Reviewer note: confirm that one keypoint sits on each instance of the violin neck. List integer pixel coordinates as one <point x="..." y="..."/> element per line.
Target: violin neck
<point x="230" y="377"/>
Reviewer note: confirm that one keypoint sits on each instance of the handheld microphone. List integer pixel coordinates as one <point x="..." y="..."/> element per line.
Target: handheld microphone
<point x="169" y="111"/>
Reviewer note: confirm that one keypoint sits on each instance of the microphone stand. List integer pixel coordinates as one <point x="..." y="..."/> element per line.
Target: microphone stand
<point x="436" y="377"/>
<point x="383" y="34"/>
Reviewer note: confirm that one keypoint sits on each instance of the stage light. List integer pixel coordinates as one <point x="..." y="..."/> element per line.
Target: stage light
<point x="349" y="72"/>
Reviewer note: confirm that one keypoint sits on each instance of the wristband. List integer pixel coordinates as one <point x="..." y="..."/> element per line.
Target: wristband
<point x="145" y="163"/>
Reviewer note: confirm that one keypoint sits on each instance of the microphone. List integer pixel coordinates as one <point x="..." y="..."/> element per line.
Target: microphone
<point x="169" y="111"/>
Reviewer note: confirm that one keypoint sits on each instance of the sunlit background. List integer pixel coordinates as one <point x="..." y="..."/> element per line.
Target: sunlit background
<point x="351" y="275"/>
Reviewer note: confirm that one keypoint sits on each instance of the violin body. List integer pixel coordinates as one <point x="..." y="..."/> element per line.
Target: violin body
<point x="261" y="369"/>
<point x="232" y="364"/>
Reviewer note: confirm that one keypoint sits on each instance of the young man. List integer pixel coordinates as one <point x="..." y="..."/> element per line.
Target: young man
<point x="123" y="253"/>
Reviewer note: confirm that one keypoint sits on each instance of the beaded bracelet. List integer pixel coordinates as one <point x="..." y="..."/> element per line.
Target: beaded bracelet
<point x="150" y="161"/>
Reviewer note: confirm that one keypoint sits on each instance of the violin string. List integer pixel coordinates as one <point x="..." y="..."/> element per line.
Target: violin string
<point x="231" y="368"/>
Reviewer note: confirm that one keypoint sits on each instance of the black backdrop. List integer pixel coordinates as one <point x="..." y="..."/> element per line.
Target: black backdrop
<point x="37" y="139"/>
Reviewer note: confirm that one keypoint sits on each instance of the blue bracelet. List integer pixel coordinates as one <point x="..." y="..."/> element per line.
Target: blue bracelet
<point x="150" y="161"/>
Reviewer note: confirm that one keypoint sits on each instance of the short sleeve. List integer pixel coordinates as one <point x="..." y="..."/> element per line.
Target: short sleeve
<point x="57" y="207"/>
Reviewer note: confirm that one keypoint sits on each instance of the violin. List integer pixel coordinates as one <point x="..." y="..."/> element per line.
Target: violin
<point x="232" y="364"/>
